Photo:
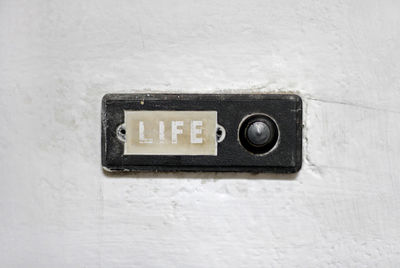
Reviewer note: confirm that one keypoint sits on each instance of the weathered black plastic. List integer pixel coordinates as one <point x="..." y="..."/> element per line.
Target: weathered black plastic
<point x="284" y="109"/>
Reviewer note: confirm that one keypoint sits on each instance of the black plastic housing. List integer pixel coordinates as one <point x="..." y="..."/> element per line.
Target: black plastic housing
<point x="284" y="109"/>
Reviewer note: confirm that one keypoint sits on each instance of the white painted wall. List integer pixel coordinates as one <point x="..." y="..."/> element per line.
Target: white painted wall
<point x="58" y="208"/>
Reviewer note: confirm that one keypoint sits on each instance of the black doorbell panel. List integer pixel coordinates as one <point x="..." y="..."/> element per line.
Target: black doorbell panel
<point x="202" y="132"/>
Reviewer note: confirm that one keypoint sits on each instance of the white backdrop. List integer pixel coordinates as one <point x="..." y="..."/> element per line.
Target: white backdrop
<point x="59" y="209"/>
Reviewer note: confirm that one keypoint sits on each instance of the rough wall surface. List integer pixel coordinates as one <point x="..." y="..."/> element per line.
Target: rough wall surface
<point x="58" y="208"/>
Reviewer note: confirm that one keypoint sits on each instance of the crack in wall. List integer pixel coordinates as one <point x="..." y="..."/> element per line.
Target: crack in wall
<point x="363" y="106"/>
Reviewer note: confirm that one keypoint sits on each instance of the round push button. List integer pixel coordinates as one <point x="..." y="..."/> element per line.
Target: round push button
<point x="258" y="133"/>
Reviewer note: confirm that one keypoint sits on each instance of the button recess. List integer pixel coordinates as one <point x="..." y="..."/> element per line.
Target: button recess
<point x="258" y="133"/>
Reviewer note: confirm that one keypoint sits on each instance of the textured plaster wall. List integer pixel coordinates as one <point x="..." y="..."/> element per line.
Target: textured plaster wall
<point x="59" y="209"/>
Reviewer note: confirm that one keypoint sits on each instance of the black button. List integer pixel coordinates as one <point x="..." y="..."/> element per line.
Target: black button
<point x="258" y="133"/>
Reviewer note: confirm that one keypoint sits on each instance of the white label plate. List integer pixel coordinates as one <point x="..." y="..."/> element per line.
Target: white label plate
<point x="170" y="133"/>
